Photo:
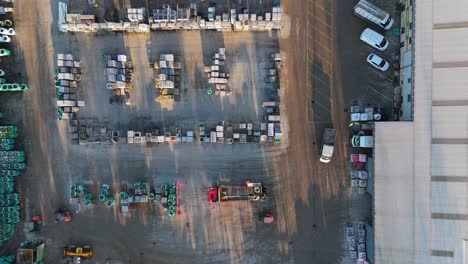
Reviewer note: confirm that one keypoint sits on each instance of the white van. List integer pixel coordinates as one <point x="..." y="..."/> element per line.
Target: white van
<point x="374" y="39"/>
<point x="372" y="13"/>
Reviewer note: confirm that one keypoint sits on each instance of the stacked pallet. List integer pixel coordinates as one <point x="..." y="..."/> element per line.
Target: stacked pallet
<point x="136" y="14"/>
<point x="167" y="78"/>
<point x="119" y="76"/>
<point x="217" y="75"/>
<point x="66" y="81"/>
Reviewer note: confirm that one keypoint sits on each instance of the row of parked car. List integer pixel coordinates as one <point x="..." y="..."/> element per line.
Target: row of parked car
<point x="381" y="18"/>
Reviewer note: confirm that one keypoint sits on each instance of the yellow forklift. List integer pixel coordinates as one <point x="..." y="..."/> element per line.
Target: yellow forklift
<point x="77" y="253"/>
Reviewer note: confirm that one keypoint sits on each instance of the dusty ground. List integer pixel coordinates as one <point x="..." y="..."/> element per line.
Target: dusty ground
<point x="324" y="69"/>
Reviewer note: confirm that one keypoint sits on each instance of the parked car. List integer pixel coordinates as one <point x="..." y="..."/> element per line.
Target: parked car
<point x="368" y="11"/>
<point x="2" y="73"/>
<point x="374" y="39"/>
<point x="362" y="141"/>
<point x="7" y="31"/>
<point x="4" y="38"/>
<point x="377" y="62"/>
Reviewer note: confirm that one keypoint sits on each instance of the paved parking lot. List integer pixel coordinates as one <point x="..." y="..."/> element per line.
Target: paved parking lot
<point x="324" y="70"/>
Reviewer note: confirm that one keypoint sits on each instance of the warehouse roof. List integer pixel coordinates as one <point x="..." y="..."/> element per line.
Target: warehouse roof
<point x="421" y="168"/>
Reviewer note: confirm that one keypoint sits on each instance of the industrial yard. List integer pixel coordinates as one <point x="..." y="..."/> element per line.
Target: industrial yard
<point x="135" y="116"/>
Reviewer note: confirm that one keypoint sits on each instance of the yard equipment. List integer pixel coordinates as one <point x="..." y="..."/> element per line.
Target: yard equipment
<point x="250" y="191"/>
<point x="63" y="215"/>
<point x="30" y="252"/>
<point x="267" y="218"/>
<point x="85" y="252"/>
<point x="34" y="224"/>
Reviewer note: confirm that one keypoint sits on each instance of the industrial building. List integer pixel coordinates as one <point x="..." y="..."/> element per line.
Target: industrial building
<point x="420" y="180"/>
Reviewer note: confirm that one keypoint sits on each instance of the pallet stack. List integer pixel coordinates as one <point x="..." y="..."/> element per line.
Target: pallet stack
<point x="119" y="77"/>
<point x="11" y="164"/>
<point x="66" y="81"/>
<point x="217" y="75"/>
<point x="167" y="78"/>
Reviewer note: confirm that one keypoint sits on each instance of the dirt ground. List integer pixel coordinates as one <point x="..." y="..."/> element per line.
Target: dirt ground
<point x="324" y="70"/>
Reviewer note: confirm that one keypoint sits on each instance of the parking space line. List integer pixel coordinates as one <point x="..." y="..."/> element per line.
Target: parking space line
<point x="368" y="86"/>
<point x="320" y="31"/>
<point x="380" y="73"/>
<point x="318" y="19"/>
<point x="321" y="7"/>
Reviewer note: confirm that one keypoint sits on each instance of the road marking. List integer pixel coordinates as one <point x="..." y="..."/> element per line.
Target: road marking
<point x="319" y="31"/>
<point x="321" y="7"/>
<point x="368" y="86"/>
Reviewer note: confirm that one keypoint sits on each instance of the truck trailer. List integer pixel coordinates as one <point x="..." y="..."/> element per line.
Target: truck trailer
<point x="250" y="191"/>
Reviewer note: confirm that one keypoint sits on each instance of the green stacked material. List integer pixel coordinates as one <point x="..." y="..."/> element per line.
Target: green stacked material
<point x="169" y="191"/>
<point x="7" y="259"/>
<point x="8" y="131"/>
<point x="13" y="87"/>
<point x="88" y="199"/>
<point x="7" y="143"/>
<point x="10" y="173"/>
<point x="12" y="166"/>
<point x="4" y="52"/>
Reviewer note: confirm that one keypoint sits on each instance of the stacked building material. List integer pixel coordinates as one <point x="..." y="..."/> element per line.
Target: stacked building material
<point x="134" y="137"/>
<point x="119" y="76"/>
<point x="136" y="14"/>
<point x="167" y="78"/>
<point x="11" y="162"/>
<point x="217" y="76"/>
<point x="66" y="81"/>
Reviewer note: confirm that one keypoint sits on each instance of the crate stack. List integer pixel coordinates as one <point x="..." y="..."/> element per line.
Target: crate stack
<point x="119" y="77"/>
<point x="167" y="78"/>
<point x="361" y="245"/>
<point x="136" y="14"/>
<point x="169" y="198"/>
<point x="217" y="76"/>
<point x="7" y="259"/>
<point x="66" y="81"/>
<point x="11" y="164"/>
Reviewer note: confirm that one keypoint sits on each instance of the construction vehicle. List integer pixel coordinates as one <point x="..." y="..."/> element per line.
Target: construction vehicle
<point x="34" y="224"/>
<point x="328" y="142"/>
<point x="30" y="252"/>
<point x="250" y="191"/>
<point x="85" y="252"/>
<point x="63" y="215"/>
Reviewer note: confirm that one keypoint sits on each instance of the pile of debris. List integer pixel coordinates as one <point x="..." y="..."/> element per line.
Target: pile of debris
<point x="66" y="82"/>
<point x="217" y="75"/>
<point x="167" y="78"/>
<point x="119" y="76"/>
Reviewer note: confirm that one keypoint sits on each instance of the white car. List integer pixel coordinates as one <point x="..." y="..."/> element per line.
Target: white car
<point x="374" y="39"/>
<point x="2" y="73"/>
<point x="4" y="38"/>
<point x="377" y="62"/>
<point x="7" y="31"/>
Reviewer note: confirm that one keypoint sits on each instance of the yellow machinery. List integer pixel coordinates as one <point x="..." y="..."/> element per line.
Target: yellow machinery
<point x="85" y="252"/>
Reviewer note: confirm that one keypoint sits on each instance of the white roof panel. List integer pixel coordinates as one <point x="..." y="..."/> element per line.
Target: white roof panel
<point x="450" y="12"/>
<point x="454" y="201"/>
<point x="450" y="45"/>
<point x="449" y="160"/>
<point x="450" y="121"/>
<point x="450" y="84"/>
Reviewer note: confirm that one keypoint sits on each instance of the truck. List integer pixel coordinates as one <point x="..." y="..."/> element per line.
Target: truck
<point x="359" y="141"/>
<point x="328" y="142"/>
<point x="368" y="11"/>
<point x="249" y="192"/>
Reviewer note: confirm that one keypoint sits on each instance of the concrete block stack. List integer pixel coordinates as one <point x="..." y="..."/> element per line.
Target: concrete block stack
<point x="167" y="78"/>
<point x="66" y="82"/>
<point x="119" y="77"/>
<point x="136" y="14"/>
<point x="217" y="75"/>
